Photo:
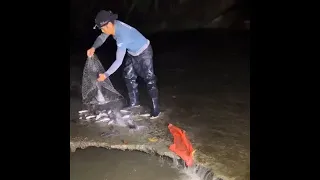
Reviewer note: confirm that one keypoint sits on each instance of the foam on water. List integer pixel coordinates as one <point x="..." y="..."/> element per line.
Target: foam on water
<point x="196" y="173"/>
<point x="192" y="173"/>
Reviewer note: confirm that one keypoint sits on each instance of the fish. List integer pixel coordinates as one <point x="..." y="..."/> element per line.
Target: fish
<point x="124" y="111"/>
<point x="145" y="115"/>
<point x="83" y="111"/>
<point x="126" y="116"/>
<point x="89" y="117"/>
<point x="101" y="115"/>
<point x="138" y="119"/>
<point x="100" y="97"/>
<point x="110" y="122"/>
<point x="103" y="119"/>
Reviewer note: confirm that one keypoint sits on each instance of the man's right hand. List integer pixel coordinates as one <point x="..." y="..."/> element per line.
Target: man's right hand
<point x="90" y="52"/>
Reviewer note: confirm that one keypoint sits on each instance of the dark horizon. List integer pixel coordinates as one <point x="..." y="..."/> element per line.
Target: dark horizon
<point x="234" y="15"/>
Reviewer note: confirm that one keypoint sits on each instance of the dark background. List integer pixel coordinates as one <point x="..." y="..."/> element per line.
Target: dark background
<point x="158" y="16"/>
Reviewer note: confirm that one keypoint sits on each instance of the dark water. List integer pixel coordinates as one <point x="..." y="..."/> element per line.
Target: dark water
<point x="103" y="164"/>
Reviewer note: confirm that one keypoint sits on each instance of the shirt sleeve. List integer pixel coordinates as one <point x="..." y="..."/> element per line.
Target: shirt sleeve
<point x="117" y="63"/>
<point x="100" y="40"/>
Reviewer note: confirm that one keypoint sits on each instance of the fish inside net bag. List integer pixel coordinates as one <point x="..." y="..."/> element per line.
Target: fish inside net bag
<point x="102" y="100"/>
<point x="95" y="94"/>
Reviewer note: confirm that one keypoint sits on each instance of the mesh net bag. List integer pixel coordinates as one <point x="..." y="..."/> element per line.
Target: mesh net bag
<point x="94" y="92"/>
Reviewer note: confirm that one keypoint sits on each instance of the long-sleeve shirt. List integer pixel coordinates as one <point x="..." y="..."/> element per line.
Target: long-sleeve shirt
<point x="128" y="40"/>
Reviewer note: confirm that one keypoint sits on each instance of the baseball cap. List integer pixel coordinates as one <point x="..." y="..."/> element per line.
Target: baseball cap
<point x="104" y="17"/>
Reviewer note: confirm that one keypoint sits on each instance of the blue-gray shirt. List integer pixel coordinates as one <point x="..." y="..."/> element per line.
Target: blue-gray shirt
<point x="128" y="39"/>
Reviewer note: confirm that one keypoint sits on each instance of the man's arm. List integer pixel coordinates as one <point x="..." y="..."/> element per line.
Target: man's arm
<point x="100" y="40"/>
<point x="117" y="63"/>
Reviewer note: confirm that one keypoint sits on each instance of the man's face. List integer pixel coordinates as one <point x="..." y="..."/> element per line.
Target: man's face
<point x="108" y="28"/>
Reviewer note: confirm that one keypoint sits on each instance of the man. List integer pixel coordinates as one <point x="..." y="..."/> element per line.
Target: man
<point x="138" y="59"/>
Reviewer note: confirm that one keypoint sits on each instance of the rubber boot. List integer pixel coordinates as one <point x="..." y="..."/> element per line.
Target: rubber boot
<point x="134" y="99"/>
<point x="133" y="102"/>
<point x="155" y="108"/>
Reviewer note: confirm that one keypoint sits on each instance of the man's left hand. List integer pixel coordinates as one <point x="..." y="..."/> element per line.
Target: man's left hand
<point x="102" y="77"/>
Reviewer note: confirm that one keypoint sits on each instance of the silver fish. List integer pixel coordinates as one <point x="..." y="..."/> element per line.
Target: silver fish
<point x="111" y="122"/>
<point x="105" y="119"/>
<point x="126" y="116"/>
<point x="83" y="111"/>
<point x="101" y="115"/>
<point x="89" y="117"/>
<point x="145" y="115"/>
<point x="124" y="111"/>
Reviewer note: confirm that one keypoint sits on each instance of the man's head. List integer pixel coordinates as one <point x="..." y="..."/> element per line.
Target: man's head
<point x="105" y="21"/>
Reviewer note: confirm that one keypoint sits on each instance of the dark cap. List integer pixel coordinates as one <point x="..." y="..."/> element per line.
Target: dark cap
<point x="103" y="17"/>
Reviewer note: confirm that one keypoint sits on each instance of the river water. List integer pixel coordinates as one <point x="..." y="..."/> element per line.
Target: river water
<point x="102" y="164"/>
